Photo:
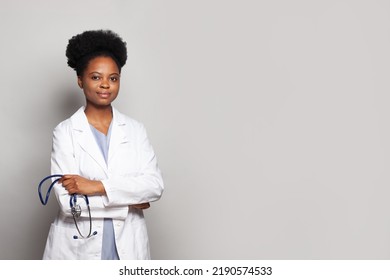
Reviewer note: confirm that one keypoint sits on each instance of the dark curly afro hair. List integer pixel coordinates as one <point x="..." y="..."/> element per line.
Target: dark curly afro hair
<point x="91" y="44"/>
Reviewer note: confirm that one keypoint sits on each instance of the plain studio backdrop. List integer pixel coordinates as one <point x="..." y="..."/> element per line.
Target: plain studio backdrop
<point x="270" y="121"/>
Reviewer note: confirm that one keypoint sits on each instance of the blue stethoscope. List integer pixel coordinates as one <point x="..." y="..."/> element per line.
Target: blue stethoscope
<point x="75" y="208"/>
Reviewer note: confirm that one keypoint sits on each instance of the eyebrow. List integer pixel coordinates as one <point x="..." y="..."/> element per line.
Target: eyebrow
<point x="95" y="72"/>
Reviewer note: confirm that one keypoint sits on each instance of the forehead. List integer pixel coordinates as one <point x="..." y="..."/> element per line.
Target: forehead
<point x="103" y="64"/>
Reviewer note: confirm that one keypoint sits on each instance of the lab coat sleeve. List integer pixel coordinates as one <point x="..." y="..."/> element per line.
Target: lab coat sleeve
<point x="63" y="161"/>
<point x="146" y="185"/>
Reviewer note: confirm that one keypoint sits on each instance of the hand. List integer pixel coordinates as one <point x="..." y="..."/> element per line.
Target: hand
<point x="145" y="205"/>
<point x="80" y="185"/>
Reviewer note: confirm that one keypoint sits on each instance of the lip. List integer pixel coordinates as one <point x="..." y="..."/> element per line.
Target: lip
<point x="104" y="94"/>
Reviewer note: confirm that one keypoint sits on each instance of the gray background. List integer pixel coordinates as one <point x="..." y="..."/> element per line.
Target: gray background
<point x="270" y="121"/>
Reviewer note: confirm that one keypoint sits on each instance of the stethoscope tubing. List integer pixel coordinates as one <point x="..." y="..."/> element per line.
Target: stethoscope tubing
<point x="72" y="203"/>
<point x="44" y="201"/>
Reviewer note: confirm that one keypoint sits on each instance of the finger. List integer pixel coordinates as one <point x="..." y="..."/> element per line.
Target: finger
<point x="145" y="205"/>
<point x="66" y="182"/>
<point x="69" y="179"/>
<point x="67" y="176"/>
<point x="61" y="179"/>
<point x="71" y="191"/>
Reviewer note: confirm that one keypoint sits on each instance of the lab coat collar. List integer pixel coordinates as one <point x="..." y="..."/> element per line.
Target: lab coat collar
<point x="85" y="138"/>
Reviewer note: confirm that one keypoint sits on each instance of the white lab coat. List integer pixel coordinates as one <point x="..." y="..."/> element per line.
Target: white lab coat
<point x="131" y="176"/>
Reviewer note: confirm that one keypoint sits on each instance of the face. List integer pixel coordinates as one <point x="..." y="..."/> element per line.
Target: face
<point x="100" y="81"/>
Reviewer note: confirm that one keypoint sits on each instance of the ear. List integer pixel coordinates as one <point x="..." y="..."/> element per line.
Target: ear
<point x="80" y="81"/>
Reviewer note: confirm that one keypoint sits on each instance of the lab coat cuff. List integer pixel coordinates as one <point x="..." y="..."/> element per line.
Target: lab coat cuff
<point x="108" y="197"/>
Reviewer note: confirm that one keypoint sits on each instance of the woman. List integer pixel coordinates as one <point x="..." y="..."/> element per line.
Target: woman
<point x="105" y="156"/>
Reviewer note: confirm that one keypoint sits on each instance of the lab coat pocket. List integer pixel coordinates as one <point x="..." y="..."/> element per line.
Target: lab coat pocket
<point x="60" y="244"/>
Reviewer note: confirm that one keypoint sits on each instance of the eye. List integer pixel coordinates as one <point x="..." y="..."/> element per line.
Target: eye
<point x="114" y="79"/>
<point x="95" y="78"/>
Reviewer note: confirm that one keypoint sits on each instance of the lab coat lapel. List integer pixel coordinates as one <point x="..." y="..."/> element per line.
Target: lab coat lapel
<point x="118" y="135"/>
<point x="84" y="137"/>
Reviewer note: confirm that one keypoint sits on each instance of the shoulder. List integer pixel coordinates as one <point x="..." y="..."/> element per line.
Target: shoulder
<point x="124" y="120"/>
<point x="68" y="124"/>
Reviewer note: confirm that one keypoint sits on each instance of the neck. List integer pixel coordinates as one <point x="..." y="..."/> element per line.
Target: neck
<point x="98" y="115"/>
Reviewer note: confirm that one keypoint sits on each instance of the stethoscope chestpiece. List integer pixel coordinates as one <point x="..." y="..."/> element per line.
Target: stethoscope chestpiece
<point x="76" y="211"/>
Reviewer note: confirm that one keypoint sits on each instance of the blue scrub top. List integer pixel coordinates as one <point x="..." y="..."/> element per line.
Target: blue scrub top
<point x="109" y="251"/>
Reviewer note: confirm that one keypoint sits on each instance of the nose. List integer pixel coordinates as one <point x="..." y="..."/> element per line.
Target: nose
<point x="104" y="84"/>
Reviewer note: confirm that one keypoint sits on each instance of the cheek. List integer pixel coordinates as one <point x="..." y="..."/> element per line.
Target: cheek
<point x="89" y="87"/>
<point x="116" y="88"/>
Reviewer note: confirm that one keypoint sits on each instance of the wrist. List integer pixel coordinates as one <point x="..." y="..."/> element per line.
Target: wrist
<point x="98" y="188"/>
